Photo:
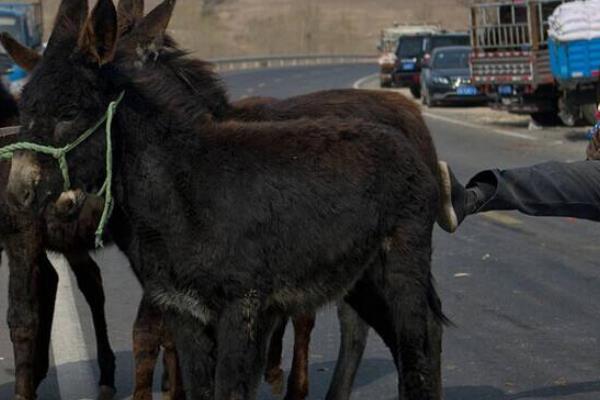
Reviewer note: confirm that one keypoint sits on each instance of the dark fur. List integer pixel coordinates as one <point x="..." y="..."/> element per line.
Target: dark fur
<point x="8" y="108"/>
<point x="207" y="212"/>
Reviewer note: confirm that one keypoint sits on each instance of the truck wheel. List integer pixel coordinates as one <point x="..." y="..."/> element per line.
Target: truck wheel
<point x="588" y="112"/>
<point x="415" y="91"/>
<point x="546" y="118"/>
<point x="386" y="84"/>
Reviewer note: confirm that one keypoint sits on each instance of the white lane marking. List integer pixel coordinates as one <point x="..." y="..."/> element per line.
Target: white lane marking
<point x="359" y="83"/>
<point x="502" y="132"/>
<point x="68" y="346"/>
<point x="262" y="85"/>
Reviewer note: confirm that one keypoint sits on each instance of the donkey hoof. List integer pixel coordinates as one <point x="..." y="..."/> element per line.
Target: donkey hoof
<point x="274" y="378"/>
<point x="107" y="393"/>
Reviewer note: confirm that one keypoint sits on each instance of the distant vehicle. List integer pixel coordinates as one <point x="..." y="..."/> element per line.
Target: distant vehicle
<point x="448" y="78"/>
<point x="388" y="44"/>
<point x="511" y="62"/>
<point x="409" y="59"/>
<point x="447" y="39"/>
<point x="415" y="51"/>
<point x="23" y="20"/>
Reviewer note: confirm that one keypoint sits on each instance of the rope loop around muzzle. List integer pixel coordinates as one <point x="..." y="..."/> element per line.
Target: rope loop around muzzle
<point x="60" y="154"/>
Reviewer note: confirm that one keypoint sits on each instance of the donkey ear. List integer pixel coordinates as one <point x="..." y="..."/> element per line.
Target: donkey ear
<point x="156" y="22"/>
<point x="129" y="12"/>
<point x="99" y="35"/>
<point x="68" y="24"/>
<point x="25" y="57"/>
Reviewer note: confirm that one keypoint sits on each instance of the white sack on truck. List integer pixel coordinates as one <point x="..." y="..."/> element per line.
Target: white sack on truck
<point x="578" y="20"/>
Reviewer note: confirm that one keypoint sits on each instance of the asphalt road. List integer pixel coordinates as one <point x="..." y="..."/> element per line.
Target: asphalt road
<point x="523" y="293"/>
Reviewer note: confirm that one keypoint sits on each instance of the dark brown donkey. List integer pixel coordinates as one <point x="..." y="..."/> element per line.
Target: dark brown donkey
<point x="233" y="225"/>
<point x="387" y="108"/>
<point x="33" y="282"/>
<point x="31" y="310"/>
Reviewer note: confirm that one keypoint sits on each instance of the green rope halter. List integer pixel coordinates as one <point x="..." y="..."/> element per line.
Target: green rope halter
<point x="60" y="154"/>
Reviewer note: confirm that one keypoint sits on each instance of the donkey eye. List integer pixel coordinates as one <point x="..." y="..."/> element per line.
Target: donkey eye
<point x="68" y="115"/>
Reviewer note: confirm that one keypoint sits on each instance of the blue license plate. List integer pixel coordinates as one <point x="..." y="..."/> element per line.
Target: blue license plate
<point x="466" y="91"/>
<point x="505" y="90"/>
<point x="408" y="66"/>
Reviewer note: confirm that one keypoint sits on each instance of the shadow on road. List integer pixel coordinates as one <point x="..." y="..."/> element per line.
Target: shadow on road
<point x="371" y="370"/>
<point x="492" y="393"/>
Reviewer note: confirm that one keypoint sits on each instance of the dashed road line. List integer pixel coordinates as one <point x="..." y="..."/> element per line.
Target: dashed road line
<point x="68" y="346"/>
<point x="502" y="218"/>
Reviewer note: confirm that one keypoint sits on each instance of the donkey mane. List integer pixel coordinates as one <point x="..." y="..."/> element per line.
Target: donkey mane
<point x="207" y="98"/>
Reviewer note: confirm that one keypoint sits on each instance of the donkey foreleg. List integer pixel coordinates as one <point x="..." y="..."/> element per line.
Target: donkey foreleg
<point x="172" y="385"/>
<point x="146" y="347"/>
<point x="243" y="334"/>
<point x="354" y="332"/>
<point x="273" y="371"/>
<point x="47" y="288"/>
<point x="197" y="355"/>
<point x="297" y="388"/>
<point x="89" y="282"/>
<point x="25" y="253"/>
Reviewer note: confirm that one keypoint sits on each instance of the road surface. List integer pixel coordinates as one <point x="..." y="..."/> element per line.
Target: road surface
<point x="523" y="293"/>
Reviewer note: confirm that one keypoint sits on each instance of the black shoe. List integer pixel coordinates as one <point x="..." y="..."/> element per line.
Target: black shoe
<point x="453" y="198"/>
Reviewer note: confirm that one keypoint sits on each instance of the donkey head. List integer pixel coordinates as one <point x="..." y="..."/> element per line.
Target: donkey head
<point x="68" y="93"/>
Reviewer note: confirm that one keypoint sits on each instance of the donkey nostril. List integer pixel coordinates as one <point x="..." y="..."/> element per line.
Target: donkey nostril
<point x="27" y="197"/>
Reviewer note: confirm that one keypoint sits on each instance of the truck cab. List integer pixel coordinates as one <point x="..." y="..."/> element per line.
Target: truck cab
<point x="23" y="20"/>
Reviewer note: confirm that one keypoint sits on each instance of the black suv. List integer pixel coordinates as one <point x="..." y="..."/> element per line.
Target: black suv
<point x="409" y="57"/>
<point x="415" y="50"/>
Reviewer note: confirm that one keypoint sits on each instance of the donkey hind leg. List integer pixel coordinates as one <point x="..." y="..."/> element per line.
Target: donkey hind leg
<point x="400" y="290"/>
<point x="172" y="385"/>
<point x="197" y="360"/>
<point x="243" y="333"/>
<point x="354" y="332"/>
<point x="273" y="371"/>
<point x="297" y="388"/>
<point x="89" y="282"/>
<point x="146" y="347"/>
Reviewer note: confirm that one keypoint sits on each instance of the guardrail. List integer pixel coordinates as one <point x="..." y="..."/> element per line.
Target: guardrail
<point x="243" y="63"/>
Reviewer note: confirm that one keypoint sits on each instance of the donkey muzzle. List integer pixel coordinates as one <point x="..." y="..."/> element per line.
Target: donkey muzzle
<point x="23" y="180"/>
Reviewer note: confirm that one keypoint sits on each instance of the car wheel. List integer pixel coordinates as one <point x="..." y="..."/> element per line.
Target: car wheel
<point x="588" y="112"/>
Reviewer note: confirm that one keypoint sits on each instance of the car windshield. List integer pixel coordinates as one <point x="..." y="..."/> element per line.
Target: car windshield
<point x="451" y="60"/>
<point x="410" y="47"/>
<point x="446" y="41"/>
<point x="10" y="25"/>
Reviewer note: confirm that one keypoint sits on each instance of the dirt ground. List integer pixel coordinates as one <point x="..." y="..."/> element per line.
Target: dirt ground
<point x="223" y="28"/>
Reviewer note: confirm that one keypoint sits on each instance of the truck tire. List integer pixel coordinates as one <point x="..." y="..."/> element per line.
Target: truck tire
<point x="385" y="84"/>
<point x="546" y="118"/>
<point x="588" y="112"/>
